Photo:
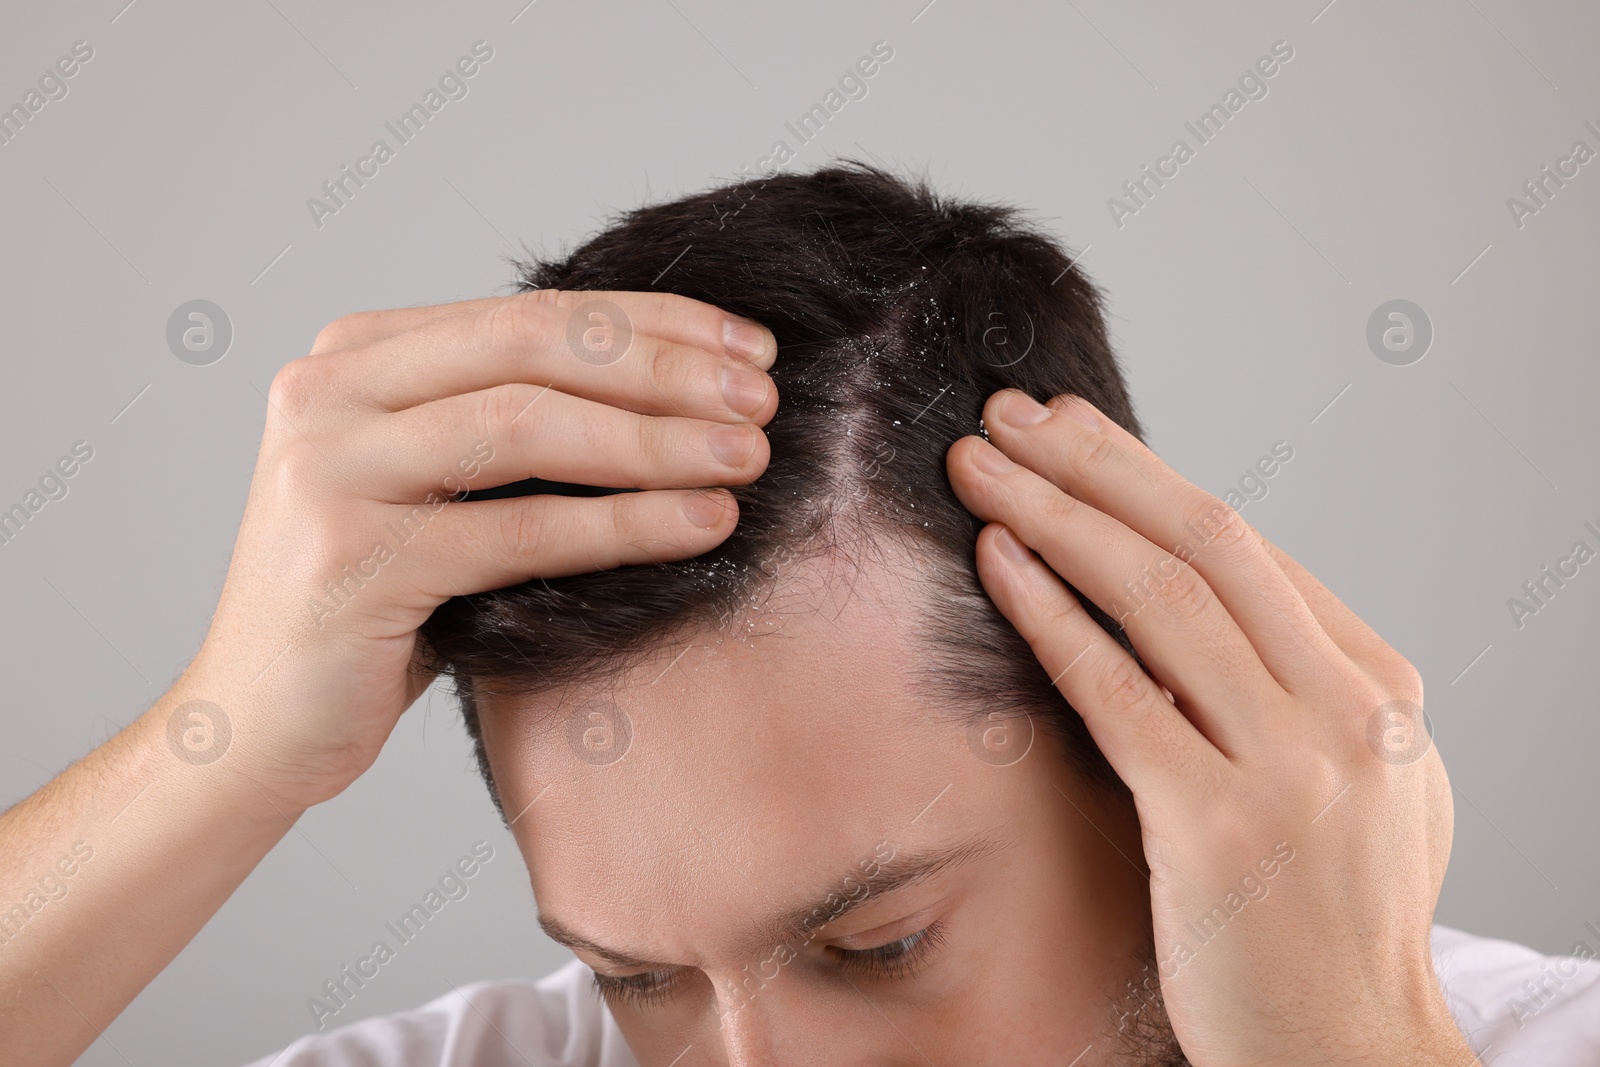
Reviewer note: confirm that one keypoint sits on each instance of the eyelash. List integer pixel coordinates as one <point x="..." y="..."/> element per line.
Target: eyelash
<point x="897" y="959"/>
<point x="640" y="990"/>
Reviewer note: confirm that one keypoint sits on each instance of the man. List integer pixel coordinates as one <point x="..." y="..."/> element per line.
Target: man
<point x="798" y="776"/>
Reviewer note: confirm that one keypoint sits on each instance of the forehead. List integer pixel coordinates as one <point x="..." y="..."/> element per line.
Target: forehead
<point x="758" y="758"/>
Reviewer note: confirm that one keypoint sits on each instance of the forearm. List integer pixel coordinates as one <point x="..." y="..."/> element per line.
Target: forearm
<point x="108" y="871"/>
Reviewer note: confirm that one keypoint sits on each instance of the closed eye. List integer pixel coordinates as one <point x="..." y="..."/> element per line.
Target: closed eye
<point x="899" y="958"/>
<point x="637" y="989"/>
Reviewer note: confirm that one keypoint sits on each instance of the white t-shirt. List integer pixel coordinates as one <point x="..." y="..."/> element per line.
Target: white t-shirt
<point x="1517" y="1008"/>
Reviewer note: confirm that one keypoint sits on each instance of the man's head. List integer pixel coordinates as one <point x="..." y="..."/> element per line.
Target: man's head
<point x="824" y="719"/>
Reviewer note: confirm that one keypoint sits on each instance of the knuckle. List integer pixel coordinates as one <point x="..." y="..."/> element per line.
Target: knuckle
<point x="298" y="471"/>
<point x="340" y="331"/>
<point x="1059" y="507"/>
<point x="1224" y="528"/>
<point x="527" y="527"/>
<point x="679" y="310"/>
<point x="1383" y="718"/>
<point x="1123" y="689"/>
<point x="556" y="305"/>
<point x="1062" y="614"/>
<point x="1042" y="624"/>
<point x="671" y="369"/>
<point x="550" y="297"/>
<point x="652" y="441"/>
<point x="516" y="326"/>
<point x="1185" y="596"/>
<point x="500" y="409"/>
<point x="1368" y="698"/>
<point x="506" y="322"/>
<point x="1400" y="679"/>
<point x="295" y="386"/>
<point x="626" y="519"/>
<point x="1357" y="699"/>
<point x="1408" y="681"/>
<point x="1096" y="457"/>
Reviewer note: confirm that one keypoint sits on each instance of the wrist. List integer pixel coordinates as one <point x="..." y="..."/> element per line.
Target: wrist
<point x="1434" y="1042"/>
<point x="1401" y="1017"/>
<point x="192" y="754"/>
<point x="257" y="734"/>
<point x="1423" y="1034"/>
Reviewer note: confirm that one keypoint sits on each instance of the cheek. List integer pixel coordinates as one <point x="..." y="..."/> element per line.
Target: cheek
<point x="1061" y="929"/>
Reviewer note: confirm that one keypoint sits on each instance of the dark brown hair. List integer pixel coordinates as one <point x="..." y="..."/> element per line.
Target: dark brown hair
<point x="897" y="313"/>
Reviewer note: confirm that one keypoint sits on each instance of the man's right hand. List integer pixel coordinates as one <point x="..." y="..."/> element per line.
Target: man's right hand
<point x="349" y="539"/>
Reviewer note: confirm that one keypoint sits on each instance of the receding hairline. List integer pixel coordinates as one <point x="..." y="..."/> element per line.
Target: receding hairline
<point x="852" y="551"/>
<point x="878" y="560"/>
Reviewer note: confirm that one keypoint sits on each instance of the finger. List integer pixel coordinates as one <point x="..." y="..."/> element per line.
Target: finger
<point x="366" y="327"/>
<point x="1147" y="741"/>
<point x="621" y="347"/>
<point x="511" y="432"/>
<point x="1112" y="471"/>
<point x="1183" y="633"/>
<point x="738" y="335"/>
<point x="468" y="547"/>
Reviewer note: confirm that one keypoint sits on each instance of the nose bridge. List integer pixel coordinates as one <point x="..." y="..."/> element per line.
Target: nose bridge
<point x="768" y="1022"/>
<point x="758" y="1025"/>
<point x="747" y="1034"/>
<point x="744" y="1044"/>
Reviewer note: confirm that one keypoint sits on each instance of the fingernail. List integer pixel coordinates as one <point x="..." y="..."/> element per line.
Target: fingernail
<point x="1011" y="545"/>
<point x="1080" y="411"/>
<point x="731" y="444"/>
<point x="704" y="509"/>
<point x="991" y="459"/>
<point x="748" y="340"/>
<point x="1020" y="409"/>
<point x="744" y="389"/>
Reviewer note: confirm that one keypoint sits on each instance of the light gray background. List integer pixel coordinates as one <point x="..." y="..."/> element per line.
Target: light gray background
<point x="1378" y="167"/>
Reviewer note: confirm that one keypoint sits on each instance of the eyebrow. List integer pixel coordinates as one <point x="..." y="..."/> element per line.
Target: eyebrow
<point x="801" y="923"/>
